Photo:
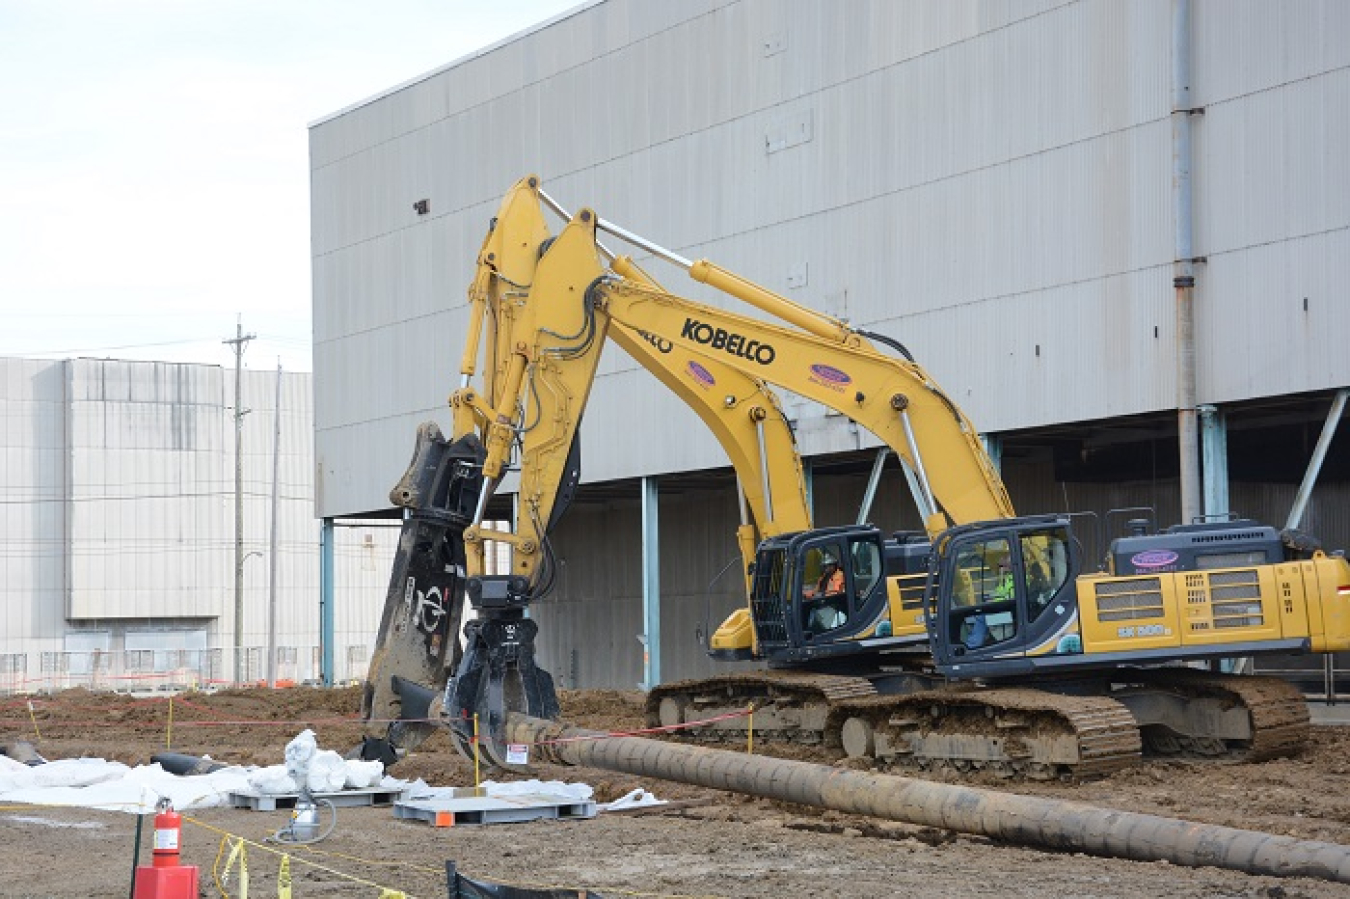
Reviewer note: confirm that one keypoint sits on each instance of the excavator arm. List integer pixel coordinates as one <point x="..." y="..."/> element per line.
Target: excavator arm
<point x="535" y="328"/>
<point x="893" y="398"/>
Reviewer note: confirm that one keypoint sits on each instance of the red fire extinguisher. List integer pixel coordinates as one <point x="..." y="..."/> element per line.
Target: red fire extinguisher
<point x="168" y="827"/>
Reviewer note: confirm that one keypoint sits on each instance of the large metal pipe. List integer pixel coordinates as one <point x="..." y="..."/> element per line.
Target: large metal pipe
<point x="1027" y="820"/>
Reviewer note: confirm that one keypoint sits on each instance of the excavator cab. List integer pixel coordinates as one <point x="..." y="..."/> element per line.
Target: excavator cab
<point x="816" y="594"/>
<point x="1005" y="594"/>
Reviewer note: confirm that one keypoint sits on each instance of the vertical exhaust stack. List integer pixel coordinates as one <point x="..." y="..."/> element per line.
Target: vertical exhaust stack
<point x="1030" y="821"/>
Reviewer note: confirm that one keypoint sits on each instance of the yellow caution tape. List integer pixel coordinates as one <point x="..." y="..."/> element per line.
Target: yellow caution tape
<point x="238" y="854"/>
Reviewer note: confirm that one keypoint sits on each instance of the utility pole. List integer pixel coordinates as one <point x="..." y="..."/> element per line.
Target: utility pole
<point x="239" y="342"/>
<point x="272" y="576"/>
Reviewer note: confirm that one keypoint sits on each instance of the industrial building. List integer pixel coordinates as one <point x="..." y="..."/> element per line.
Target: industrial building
<point x="121" y="500"/>
<point x="1117" y="233"/>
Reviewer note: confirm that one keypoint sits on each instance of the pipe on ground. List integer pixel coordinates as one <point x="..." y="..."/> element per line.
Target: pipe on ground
<point x="1032" y="821"/>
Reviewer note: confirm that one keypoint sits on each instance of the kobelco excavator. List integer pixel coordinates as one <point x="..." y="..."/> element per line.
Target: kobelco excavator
<point x="979" y="643"/>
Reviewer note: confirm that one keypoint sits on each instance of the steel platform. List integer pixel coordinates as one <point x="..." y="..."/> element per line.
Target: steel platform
<point x="260" y="802"/>
<point x="482" y="809"/>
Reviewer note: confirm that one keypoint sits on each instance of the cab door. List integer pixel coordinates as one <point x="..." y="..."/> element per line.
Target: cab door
<point x="982" y="610"/>
<point x="1006" y="594"/>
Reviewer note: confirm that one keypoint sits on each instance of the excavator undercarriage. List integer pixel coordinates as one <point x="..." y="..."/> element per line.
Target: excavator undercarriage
<point x="1081" y="729"/>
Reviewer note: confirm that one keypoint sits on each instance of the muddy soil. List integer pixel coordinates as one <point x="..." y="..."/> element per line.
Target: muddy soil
<point x="708" y="844"/>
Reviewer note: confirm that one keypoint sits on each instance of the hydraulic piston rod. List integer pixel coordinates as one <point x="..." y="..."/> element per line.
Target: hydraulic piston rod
<point x="1027" y="820"/>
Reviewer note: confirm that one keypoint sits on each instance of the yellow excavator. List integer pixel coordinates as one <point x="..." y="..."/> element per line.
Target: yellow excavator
<point x="980" y="643"/>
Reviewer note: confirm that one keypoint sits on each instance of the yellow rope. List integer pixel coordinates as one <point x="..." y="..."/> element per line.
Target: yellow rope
<point x="33" y="717"/>
<point x="477" y="780"/>
<point x="327" y="870"/>
<point x="240" y="854"/>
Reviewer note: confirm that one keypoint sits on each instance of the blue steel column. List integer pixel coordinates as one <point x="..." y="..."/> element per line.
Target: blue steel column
<point x="993" y="447"/>
<point x="651" y="587"/>
<point x="1214" y="459"/>
<point x="326" y="601"/>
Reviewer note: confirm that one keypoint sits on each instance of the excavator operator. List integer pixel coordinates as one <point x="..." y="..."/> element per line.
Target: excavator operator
<point x="826" y="616"/>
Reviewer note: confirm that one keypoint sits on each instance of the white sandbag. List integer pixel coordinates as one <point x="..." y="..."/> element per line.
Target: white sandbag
<point x="327" y="772"/>
<point x="363" y="775"/>
<point x="300" y="753"/>
<point x="273" y="780"/>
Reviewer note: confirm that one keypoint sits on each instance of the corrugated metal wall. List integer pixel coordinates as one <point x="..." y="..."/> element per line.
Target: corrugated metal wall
<point x="146" y="443"/>
<point x="32" y="576"/>
<point x="1274" y="214"/>
<point x="119" y="515"/>
<point x="988" y="182"/>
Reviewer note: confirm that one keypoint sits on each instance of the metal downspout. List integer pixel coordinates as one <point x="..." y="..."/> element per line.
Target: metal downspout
<point x="1183" y="274"/>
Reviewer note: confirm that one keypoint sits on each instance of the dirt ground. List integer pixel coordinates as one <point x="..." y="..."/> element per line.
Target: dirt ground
<point x="711" y="844"/>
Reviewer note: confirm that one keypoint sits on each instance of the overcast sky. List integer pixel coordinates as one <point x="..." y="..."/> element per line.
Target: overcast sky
<point x="154" y="186"/>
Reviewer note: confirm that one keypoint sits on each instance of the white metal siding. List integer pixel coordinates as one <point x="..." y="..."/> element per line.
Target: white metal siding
<point x="145" y="446"/>
<point x="118" y="513"/>
<point x="988" y="182"/>
<point x="1273" y="198"/>
<point x="32" y="399"/>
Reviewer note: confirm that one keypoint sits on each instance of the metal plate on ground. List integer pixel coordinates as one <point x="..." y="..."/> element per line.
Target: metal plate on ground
<point x="448" y="812"/>
<point x="260" y="802"/>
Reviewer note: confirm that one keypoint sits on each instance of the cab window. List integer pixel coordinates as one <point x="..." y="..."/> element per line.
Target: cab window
<point x="825" y="602"/>
<point x="984" y="598"/>
<point x="865" y="557"/>
<point x="1045" y="556"/>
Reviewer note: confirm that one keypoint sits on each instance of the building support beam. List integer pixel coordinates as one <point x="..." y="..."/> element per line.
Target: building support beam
<point x="651" y="586"/>
<point x="326" y="615"/>
<point x="993" y="447"/>
<point x="1318" y="457"/>
<point x="1214" y="453"/>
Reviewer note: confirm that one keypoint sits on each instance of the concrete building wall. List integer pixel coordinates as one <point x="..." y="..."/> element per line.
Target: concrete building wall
<point x="119" y="524"/>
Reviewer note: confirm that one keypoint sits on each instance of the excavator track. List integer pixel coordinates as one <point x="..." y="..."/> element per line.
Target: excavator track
<point x="1010" y="732"/>
<point x="788" y="706"/>
<point x="1225" y="717"/>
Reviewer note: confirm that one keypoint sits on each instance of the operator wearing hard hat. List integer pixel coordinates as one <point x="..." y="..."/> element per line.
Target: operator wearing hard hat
<point x="831" y="583"/>
<point x="831" y="577"/>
